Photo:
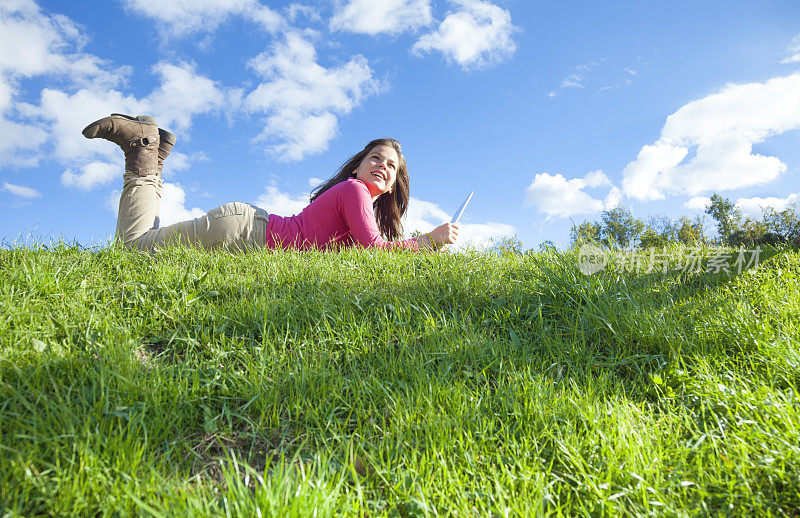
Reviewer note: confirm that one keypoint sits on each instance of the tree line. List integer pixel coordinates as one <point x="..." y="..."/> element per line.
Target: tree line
<point x="620" y="229"/>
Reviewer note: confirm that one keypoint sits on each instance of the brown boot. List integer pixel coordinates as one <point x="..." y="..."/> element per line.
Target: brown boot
<point x="137" y="136"/>
<point x="165" y="142"/>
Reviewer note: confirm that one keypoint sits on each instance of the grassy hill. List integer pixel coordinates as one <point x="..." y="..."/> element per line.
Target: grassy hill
<point x="372" y="383"/>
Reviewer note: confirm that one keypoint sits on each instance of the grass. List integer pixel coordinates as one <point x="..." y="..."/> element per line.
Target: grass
<point x="373" y="383"/>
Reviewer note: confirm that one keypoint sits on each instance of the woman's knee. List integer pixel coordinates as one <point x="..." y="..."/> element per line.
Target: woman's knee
<point x="233" y="209"/>
<point x="229" y="225"/>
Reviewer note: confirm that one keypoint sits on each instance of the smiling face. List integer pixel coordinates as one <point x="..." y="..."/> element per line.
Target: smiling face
<point x="378" y="170"/>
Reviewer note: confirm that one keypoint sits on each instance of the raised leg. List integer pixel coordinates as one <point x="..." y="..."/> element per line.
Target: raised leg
<point x="139" y="206"/>
<point x="234" y="225"/>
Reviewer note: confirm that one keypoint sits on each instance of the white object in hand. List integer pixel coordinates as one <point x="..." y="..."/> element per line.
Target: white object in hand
<point x="460" y="210"/>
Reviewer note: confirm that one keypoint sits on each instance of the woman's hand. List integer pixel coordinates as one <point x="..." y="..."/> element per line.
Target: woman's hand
<point x="441" y="235"/>
<point x="444" y="234"/>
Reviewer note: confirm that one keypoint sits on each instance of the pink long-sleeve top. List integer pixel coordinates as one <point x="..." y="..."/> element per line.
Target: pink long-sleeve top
<point x="341" y="216"/>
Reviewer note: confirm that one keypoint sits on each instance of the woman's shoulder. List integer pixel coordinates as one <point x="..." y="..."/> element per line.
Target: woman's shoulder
<point x="350" y="187"/>
<point x="355" y="184"/>
<point x="344" y="193"/>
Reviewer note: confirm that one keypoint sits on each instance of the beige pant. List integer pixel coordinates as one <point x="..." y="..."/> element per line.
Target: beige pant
<point x="233" y="226"/>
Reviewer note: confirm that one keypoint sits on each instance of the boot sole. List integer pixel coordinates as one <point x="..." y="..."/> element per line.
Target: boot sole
<point x="142" y="119"/>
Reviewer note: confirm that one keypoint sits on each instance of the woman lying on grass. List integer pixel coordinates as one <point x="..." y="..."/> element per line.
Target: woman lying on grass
<point x="361" y="205"/>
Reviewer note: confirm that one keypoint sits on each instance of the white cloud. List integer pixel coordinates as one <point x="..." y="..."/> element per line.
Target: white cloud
<point x="19" y="143"/>
<point x="178" y="161"/>
<point x="388" y="16"/>
<point x="277" y="202"/>
<point x="578" y="77"/>
<point x="97" y="173"/>
<point x="33" y="43"/>
<point x="573" y="81"/>
<point x="613" y="198"/>
<point x="183" y="93"/>
<point x="697" y="203"/>
<point x="92" y="175"/>
<point x="184" y="17"/>
<point x="596" y="179"/>
<point x="63" y="115"/>
<point x="793" y="51"/>
<point x="424" y="216"/>
<point x="313" y="183"/>
<point x="721" y="129"/>
<point x="482" y="235"/>
<point x="752" y="206"/>
<point x="173" y="205"/>
<point x="302" y="100"/>
<point x="21" y="191"/>
<point x="6" y="95"/>
<point x="641" y="177"/>
<point x="476" y="35"/>
<point x="294" y="11"/>
<point x="112" y="202"/>
<point x="620" y="84"/>
<point x="172" y="209"/>
<point x="556" y="196"/>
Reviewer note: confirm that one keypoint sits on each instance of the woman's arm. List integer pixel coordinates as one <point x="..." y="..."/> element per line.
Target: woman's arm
<point x="359" y="216"/>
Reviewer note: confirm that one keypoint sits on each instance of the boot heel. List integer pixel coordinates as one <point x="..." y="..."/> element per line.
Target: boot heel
<point x="166" y="136"/>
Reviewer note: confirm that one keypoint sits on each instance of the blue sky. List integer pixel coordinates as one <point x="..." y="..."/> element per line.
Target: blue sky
<point x="549" y="111"/>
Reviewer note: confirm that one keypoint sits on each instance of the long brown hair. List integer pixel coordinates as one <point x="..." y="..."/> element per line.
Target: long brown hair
<point x="389" y="207"/>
